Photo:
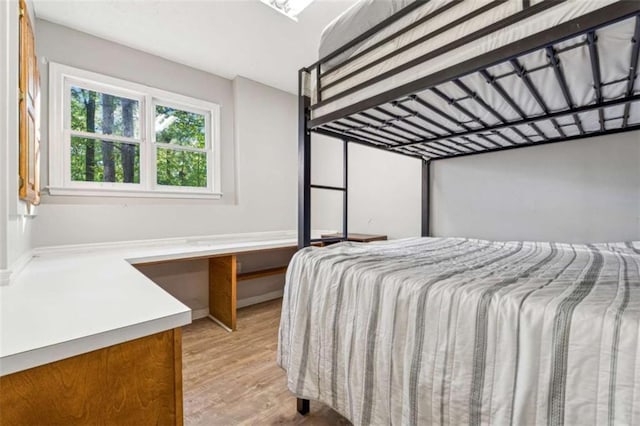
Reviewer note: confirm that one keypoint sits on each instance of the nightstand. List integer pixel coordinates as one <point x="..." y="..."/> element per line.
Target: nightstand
<point x="359" y="238"/>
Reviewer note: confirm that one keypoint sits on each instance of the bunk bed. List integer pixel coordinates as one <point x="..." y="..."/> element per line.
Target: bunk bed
<point x="443" y="330"/>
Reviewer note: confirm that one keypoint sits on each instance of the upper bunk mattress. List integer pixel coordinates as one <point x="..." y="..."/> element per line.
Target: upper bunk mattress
<point x="449" y="20"/>
<point x="462" y="331"/>
<point x="355" y="21"/>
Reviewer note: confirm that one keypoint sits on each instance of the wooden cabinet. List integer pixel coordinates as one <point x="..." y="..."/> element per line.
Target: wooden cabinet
<point x="133" y="383"/>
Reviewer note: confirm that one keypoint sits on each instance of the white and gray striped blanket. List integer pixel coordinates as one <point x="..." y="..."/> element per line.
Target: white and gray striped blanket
<point x="458" y="331"/>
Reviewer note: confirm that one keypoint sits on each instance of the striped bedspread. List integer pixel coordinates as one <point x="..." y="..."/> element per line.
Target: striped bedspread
<point x="459" y="331"/>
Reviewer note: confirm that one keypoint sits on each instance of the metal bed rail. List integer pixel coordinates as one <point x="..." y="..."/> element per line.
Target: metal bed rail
<point x="585" y="24"/>
<point x="319" y="67"/>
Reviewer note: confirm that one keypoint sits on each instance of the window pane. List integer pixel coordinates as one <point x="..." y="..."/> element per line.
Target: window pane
<point x="93" y="160"/>
<point x="96" y="112"/>
<point x="179" y="127"/>
<point x="182" y="168"/>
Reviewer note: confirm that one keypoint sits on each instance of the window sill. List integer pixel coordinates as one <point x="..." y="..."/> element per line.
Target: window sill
<point x="83" y="192"/>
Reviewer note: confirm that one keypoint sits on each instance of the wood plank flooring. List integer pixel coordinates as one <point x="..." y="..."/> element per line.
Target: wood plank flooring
<point x="232" y="378"/>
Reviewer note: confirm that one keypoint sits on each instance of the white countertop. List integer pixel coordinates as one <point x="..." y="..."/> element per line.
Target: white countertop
<point x="70" y="300"/>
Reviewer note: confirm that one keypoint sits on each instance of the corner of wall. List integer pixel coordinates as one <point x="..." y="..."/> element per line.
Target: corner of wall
<point x="236" y="138"/>
<point x="15" y="215"/>
<point x="4" y="136"/>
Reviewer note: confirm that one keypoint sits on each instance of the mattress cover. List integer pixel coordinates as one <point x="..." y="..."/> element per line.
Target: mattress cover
<point x="463" y="331"/>
<point x="345" y="77"/>
<point x="355" y="21"/>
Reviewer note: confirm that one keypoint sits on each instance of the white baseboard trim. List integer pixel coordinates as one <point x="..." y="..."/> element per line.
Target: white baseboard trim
<point x="217" y="321"/>
<point x="199" y="313"/>
<point x="5" y="276"/>
<point x="15" y="268"/>
<point x="243" y="303"/>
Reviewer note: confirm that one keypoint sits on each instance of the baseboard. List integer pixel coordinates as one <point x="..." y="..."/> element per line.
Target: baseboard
<point x="217" y="321"/>
<point x="15" y="268"/>
<point x="5" y="276"/>
<point x="243" y="303"/>
<point x="199" y="313"/>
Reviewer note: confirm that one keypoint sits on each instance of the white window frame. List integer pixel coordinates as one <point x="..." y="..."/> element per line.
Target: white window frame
<point x="62" y="77"/>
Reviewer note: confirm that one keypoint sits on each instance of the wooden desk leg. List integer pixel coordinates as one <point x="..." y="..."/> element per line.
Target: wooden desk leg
<point x="222" y="291"/>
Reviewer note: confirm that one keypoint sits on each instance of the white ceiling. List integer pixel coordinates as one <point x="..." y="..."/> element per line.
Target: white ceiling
<point x="224" y="37"/>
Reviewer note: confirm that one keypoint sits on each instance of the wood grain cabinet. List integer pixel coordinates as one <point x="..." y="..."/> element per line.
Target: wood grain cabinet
<point x="133" y="383"/>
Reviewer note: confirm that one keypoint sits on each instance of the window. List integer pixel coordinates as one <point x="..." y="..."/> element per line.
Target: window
<point x="116" y="138"/>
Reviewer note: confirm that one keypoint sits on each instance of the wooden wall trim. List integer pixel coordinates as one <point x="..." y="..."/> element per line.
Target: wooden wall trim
<point x="29" y="107"/>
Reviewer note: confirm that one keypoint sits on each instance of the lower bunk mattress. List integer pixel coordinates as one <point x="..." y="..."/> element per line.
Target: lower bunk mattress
<point x="461" y="331"/>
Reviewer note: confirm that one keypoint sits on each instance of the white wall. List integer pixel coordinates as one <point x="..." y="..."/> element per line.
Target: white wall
<point x="266" y="129"/>
<point x="15" y="222"/>
<point x="581" y="191"/>
<point x="384" y="189"/>
<point x="259" y="167"/>
<point x="259" y="148"/>
<point x="4" y="133"/>
<point x="258" y="153"/>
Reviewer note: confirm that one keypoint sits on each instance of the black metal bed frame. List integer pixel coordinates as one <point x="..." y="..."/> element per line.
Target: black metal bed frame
<point x="412" y="133"/>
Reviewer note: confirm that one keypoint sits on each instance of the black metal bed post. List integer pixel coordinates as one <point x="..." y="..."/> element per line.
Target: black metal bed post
<point x="304" y="180"/>
<point x="345" y="193"/>
<point x="426" y="197"/>
<point x="303" y="406"/>
<point x="304" y="162"/>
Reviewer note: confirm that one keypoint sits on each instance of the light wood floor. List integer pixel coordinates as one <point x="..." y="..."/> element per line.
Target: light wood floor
<point x="232" y="378"/>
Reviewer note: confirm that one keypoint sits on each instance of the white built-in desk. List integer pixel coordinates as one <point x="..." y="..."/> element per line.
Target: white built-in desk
<point x="73" y="300"/>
